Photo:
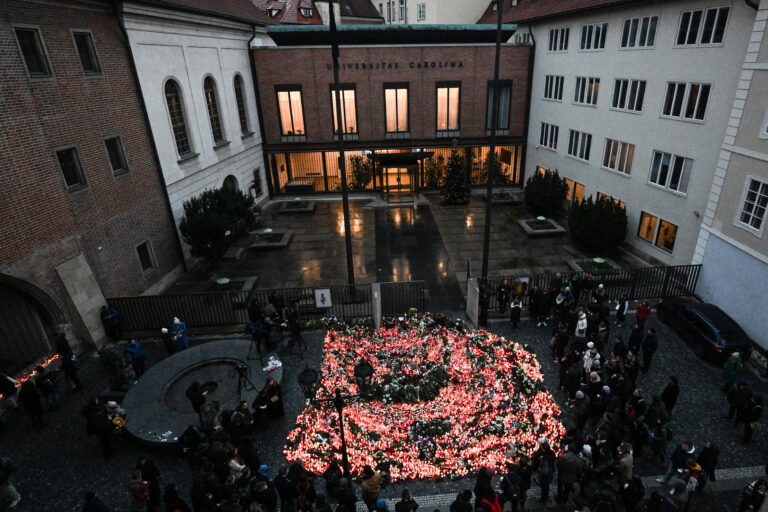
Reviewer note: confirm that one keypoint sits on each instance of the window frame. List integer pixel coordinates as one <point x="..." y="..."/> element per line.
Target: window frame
<point x="242" y="113"/>
<point x="488" y="115"/>
<point x="560" y="39"/>
<point x="554" y="84"/>
<point x="343" y="87"/>
<point x="401" y="10"/>
<point x="40" y="43"/>
<point x="684" y="102"/>
<point x="655" y="227"/>
<point x="83" y="184"/>
<point x="151" y="252"/>
<point x="396" y="86"/>
<point x="421" y="12"/>
<point x="547" y="134"/>
<point x="590" y="85"/>
<point x="450" y="132"/>
<point x="628" y="156"/>
<point x="609" y="197"/>
<point x="737" y="220"/>
<point x="658" y="235"/>
<point x="284" y="136"/>
<point x="119" y="138"/>
<point x="626" y="96"/>
<point x="638" y="31"/>
<point x="594" y="42"/>
<point x="91" y="48"/>
<point x="584" y="140"/>
<point x="700" y="26"/>
<point x="190" y="153"/>
<point x="223" y="140"/>
<point x="670" y="171"/>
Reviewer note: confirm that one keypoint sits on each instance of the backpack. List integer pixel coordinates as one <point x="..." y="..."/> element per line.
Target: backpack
<point x="495" y="506"/>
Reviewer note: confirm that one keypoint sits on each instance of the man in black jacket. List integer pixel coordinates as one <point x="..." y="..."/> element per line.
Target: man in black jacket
<point x="670" y="394"/>
<point x="677" y="461"/>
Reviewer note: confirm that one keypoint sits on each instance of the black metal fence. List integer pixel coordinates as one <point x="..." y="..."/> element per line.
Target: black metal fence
<point x="637" y="283"/>
<point x="398" y="298"/>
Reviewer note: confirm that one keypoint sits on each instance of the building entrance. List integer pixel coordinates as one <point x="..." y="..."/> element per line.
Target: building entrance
<point x="399" y="181"/>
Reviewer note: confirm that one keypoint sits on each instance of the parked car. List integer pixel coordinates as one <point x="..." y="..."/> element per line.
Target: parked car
<point x="712" y="333"/>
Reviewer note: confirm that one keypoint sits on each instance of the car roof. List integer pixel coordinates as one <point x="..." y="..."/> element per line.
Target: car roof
<point x="717" y="316"/>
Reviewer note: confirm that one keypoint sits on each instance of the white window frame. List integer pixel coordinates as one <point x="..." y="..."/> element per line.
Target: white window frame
<point x="553" y="87"/>
<point x="746" y="226"/>
<point x="579" y="145"/>
<point x="687" y="90"/>
<point x="549" y="136"/>
<point x="672" y="159"/>
<point x="593" y="37"/>
<point x="641" y="25"/>
<point x="764" y="127"/>
<point x="586" y="90"/>
<point x="630" y="92"/>
<point x="558" y="39"/>
<point x="699" y="26"/>
<point x="623" y="156"/>
<point x="421" y="12"/>
<point x="401" y="10"/>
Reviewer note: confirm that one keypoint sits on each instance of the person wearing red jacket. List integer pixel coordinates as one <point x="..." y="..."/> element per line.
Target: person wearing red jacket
<point x="642" y="313"/>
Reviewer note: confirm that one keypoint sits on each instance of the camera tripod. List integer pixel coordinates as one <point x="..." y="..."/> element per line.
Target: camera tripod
<point x="244" y="383"/>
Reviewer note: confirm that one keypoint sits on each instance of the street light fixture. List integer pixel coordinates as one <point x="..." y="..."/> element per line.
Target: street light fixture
<point x="309" y="380"/>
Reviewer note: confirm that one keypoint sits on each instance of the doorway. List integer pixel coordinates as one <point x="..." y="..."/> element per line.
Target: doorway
<point x="398" y="182"/>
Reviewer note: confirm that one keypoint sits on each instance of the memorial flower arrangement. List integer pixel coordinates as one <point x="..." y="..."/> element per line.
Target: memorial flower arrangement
<point x="442" y="402"/>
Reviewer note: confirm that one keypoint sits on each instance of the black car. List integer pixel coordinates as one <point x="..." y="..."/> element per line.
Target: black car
<point x="713" y="334"/>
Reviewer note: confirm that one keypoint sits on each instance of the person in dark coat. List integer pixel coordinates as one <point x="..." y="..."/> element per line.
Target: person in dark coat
<point x="463" y="502"/>
<point x="670" y="394"/>
<point x="110" y="319"/>
<point x="269" y="402"/>
<point x="543" y="462"/>
<point x="738" y="396"/>
<point x="483" y="488"/>
<point x="168" y="341"/>
<point x="264" y="494"/>
<point x="47" y="386"/>
<point x="346" y="496"/>
<point x="94" y="504"/>
<point x="70" y="372"/>
<point x="138" y="357"/>
<point x="62" y="347"/>
<point x="196" y="397"/>
<point x="544" y="307"/>
<point x="752" y="414"/>
<point x="286" y="490"/>
<point x="29" y="397"/>
<point x="650" y="345"/>
<point x="568" y="473"/>
<point x="172" y="500"/>
<point x="678" y="460"/>
<point x="150" y="473"/>
<point x="510" y="486"/>
<point x="406" y="503"/>
<point x="515" y="309"/>
<point x="708" y="459"/>
<point x="502" y="295"/>
<point x="635" y="338"/>
<point x="524" y="473"/>
<point x="98" y="424"/>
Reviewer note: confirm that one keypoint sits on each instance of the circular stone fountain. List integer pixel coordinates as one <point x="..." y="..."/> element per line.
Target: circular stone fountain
<point x="157" y="406"/>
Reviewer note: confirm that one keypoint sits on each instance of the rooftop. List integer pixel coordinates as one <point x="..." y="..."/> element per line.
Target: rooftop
<point x="534" y="10"/>
<point x="241" y="10"/>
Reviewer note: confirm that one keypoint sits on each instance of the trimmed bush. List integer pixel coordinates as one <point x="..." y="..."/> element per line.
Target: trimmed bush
<point x="434" y="170"/>
<point x="599" y="226"/>
<point x="362" y="172"/>
<point x="545" y="193"/>
<point x="456" y="188"/>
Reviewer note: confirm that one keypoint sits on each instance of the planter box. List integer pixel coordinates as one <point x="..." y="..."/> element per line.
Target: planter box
<point x="278" y="240"/>
<point x="302" y="206"/>
<point x="530" y="232"/>
<point x="505" y="197"/>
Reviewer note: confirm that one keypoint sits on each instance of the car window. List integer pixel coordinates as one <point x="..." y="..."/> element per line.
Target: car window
<point x="698" y="323"/>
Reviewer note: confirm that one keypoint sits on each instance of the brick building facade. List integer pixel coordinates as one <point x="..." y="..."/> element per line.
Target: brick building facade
<point x="77" y="225"/>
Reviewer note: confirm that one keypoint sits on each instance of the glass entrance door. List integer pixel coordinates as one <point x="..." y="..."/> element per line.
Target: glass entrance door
<point x="398" y="180"/>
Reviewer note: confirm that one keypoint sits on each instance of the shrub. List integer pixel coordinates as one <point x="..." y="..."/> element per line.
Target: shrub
<point x="214" y="220"/>
<point x="456" y="188"/>
<point x="362" y="172"/>
<point x="434" y="170"/>
<point x="545" y="193"/>
<point x="598" y="226"/>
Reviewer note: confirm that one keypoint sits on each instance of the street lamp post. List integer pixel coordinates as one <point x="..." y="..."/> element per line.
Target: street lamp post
<point x="309" y="379"/>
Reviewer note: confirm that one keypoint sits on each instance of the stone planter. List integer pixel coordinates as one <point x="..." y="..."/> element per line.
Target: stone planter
<point x="297" y="206"/>
<point x="270" y="240"/>
<point x="505" y="197"/>
<point x="532" y="232"/>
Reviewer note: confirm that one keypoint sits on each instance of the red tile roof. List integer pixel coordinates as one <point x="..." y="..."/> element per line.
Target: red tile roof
<point x="533" y="10"/>
<point x="233" y="9"/>
<point x="288" y="11"/>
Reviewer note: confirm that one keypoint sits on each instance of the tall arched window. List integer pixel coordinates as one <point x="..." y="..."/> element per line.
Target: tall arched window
<point x="213" y="110"/>
<point x="240" y="97"/>
<point x="176" y="113"/>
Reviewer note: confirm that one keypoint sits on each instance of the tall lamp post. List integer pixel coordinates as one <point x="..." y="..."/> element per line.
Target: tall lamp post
<point x="309" y="379"/>
<point x="484" y="291"/>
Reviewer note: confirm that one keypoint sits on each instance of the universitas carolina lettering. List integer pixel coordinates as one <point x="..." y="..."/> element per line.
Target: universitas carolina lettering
<point x="415" y="64"/>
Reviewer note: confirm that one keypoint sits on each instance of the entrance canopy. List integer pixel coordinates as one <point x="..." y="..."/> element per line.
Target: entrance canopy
<point x="400" y="159"/>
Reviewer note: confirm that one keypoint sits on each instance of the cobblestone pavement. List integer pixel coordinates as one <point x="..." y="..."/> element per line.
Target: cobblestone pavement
<point x="58" y="464"/>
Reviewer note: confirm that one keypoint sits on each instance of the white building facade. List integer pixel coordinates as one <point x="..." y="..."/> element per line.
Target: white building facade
<point x="632" y="102"/>
<point x="430" y="12"/>
<point x="195" y="77"/>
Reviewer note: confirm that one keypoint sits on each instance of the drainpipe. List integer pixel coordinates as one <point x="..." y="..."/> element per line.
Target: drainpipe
<point x="254" y="79"/>
<point x="752" y="4"/>
<point x="531" y="60"/>
<point x="118" y="6"/>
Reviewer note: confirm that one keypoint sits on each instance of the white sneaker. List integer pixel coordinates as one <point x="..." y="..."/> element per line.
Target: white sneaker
<point x="545" y="324"/>
<point x="661" y="480"/>
<point x="538" y="324"/>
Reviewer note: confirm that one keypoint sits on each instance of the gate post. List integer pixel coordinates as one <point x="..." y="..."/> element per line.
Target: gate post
<point x="376" y="304"/>
<point x="473" y="301"/>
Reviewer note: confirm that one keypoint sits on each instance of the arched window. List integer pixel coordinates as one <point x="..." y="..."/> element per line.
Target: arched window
<point x="240" y="97"/>
<point x="213" y="110"/>
<point x="231" y="184"/>
<point x="176" y="113"/>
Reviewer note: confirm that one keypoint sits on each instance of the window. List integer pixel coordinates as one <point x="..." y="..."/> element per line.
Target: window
<point x="575" y="191"/>
<point x="448" y="94"/>
<point x="553" y="87"/>
<point x="381" y="9"/>
<point x="402" y="9"/>
<point x="647" y="227"/>
<point x="549" y="135"/>
<point x="396" y="106"/>
<point x="606" y="197"/>
<point x="291" y="113"/>
<point x="755" y="203"/>
<point x="505" y="97"/>
<point x="242" y="112"/>
<point x="671" y="171"/>
<point x="639" y="32"/>
<point x="146" y="258"/>
<point x="69" y="163"/>
<point x="257" y="188"/>
<point x="593" y="36"/>
<point x="686" y="101"/>
<point x="665" y="239"/>
<point x="586" y="90"/>
<point x="421" y="12"/>
<point x="628" y="95"/>
<point x="700" y="28"/>
<point x="579" y="144"/>
<point x="116" y="155"/>
<point x="87" y="52"/>
<point x="32" y="50"/>
<point x="558" y="39"/>
<point x="348" y="111"/>
<point x="306" y="12"/>
<point x="213" y="111"/>
<point x="178" y="124"/>
<point x="618" y="156"/>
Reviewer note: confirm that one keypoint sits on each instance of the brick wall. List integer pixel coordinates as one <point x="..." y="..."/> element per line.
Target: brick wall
<point x="43" y="224"/>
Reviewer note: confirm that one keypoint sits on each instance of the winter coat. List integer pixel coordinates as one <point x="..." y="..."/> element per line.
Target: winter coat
<point x="650" y="343"/>
<point x="670" y="394"/>
<point x="568" y="468"/>
<point x="372" y="487"/>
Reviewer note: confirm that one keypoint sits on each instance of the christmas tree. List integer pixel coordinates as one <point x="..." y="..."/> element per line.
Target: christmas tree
<point x="456" y="187"/>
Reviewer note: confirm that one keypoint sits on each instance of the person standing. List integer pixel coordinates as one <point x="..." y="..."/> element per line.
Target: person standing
<point x="138" y="358"/>
<point x="98" y="424"/>
<point x="48" y="388"/>
<point x="708" y="459"/>
<point x="110" y="319"/>
<point x="371" y="485"/>
<point x="269" y="402"/>
<point x="650" y="345"/>
<point x="168" y="342"/>
<point x="544" y="307"/>
<point x="29" y="397"/>
<point x="502" y="295"/>
<point x="543" y="462"/>
<point x="642" y="313"/>
<point x="286" y="490"/>
<point x="622" y="308"/>
<point x="139" y="492"/>
<point x="731" y="370"/>
<point x="752" y="414"/>
<point x="150" y="473"/>
<point x="407" y="503"/>
<point x="738" y="397"/>
<point x="677" y="461"/>
<point x="70" y="372"/>
<point x="179" y="331"/>
<point x="568" y="473"/>
<point x="514" y="311"/>
<point x="670" y="394"/>
<point x="196" y="397"/>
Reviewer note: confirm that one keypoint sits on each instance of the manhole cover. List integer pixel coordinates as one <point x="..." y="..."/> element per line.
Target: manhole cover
<point x="209" y="387"/>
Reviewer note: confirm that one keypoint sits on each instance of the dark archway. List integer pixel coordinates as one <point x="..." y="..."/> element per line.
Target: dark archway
<point x="231" y="184"/>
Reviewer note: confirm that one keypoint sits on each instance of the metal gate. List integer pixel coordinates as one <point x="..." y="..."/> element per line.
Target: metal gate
<point x="401" y="297"/>
<point x="23" y="337"/>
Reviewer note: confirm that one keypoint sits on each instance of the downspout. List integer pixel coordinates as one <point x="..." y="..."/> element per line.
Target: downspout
<point x="118" y="5"/>
<point x="752" y="4"/>
<point x="254" y="79"/>
<point x="531" y="60"/>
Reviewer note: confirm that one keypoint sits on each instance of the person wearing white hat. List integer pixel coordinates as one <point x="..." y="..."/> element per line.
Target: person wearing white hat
<point x="731" y="370"/>
<point x="168" y="342"/>
<point x="179" y="330"/>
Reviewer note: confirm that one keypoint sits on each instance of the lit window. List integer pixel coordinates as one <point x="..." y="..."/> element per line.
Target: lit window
<point x="116" y="155"/>
<point x="628" y="95"/>
<point x="71" y="168"/>
<point x="647" y="227"/>
<point x="593" y="36"/>
<point x="586" y="90"/>
<point x="671" y="171"/>
<point x="242" y="112"/>
<point x="553" y="87"/>
<point x="579" y="144"/>
<point x="618" y="156"/>
<point x="448" y="108"/>
<point x="639" y="32"/>
<point x="575" y="191"/>
<point x="176" y="113"/>
<point x="505" y="97"/>
<point x="291" y="114"/>
<point x="146" y="257"/>
<point x="665" y="239"/>
<point x="686" y="101"/>
<point x="213" y="111"/>
<point x="558" y="39"/>
<point x="755" y="203"/>
<point x="396" y="106"/>
<point x="348" y="111"/>
<point x="421" y="12"/>
<point x="32" y="50"/>
<point x="87" y="52"/>
<point x="548" y="136"/>
<point x="698" y="28"/>
<point x="606" y="197"/>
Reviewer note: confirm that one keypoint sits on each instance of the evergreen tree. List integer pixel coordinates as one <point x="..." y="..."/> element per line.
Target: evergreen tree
<point x="545" y="193"/>
<point x="598" y="226"/>
<point x="456" y="188"/>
